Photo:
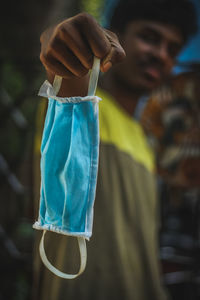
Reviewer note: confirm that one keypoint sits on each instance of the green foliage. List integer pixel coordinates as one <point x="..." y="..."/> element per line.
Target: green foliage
<point x="93" y="7"/>
<point x="12" y="80"/>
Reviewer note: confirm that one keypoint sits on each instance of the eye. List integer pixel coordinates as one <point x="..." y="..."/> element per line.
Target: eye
<point x="149" y="37"/>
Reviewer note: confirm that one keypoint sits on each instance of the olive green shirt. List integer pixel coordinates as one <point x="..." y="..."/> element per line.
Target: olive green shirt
<point x="123" y="250"/>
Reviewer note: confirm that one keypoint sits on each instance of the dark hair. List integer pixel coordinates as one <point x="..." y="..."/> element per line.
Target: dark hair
<point x="180" y="13"/>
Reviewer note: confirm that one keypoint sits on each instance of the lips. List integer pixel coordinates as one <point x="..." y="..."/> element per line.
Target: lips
<point x="153" y="73"/>
<point x="152" y="69"/>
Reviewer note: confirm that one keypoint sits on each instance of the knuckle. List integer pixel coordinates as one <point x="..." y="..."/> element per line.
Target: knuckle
<point x="81" y="72"/>
<point x="114" y="37"/>
<point x="103" y="49"/>
<point x="61" y="30"/>
<point x="84" y="18"/>
<point x="52" y="44"/>
<point x="89" y="61"/>
<point x="119" y="54"/>
<point x="45" y="59"/>
<point x="111" y="35"/>
<point x="45" y="62"/>
<point x="42" y="58"/>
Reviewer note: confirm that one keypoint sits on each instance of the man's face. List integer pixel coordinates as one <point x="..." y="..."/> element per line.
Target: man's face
<point x="151" y="49"/>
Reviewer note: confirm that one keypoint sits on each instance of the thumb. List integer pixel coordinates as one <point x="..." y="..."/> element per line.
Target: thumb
<point x="116" y="54"/>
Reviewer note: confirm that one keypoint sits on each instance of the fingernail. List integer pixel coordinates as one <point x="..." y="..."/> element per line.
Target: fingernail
<point x="107" y="66"/>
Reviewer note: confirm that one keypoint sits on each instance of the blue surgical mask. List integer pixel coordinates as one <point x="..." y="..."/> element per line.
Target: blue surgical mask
<point x="69" y="163"/>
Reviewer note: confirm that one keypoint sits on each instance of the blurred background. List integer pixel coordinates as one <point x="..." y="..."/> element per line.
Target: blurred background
<point x="21" y="75"/>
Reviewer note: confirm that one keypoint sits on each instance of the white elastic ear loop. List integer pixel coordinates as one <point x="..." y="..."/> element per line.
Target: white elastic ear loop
<point x="83" y="259"/>
<point x="94" y="75"/>
<point x="57" y="84"/>
<point x="81" y="241"/>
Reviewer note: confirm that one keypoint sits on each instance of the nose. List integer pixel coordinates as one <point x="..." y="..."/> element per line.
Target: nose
<point x="162" y="53"/>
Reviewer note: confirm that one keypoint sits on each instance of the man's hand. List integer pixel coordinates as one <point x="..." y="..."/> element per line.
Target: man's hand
<point x="68" y="50"/>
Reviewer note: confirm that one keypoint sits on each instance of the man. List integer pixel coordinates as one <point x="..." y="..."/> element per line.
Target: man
<point x="123" y="251"/>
